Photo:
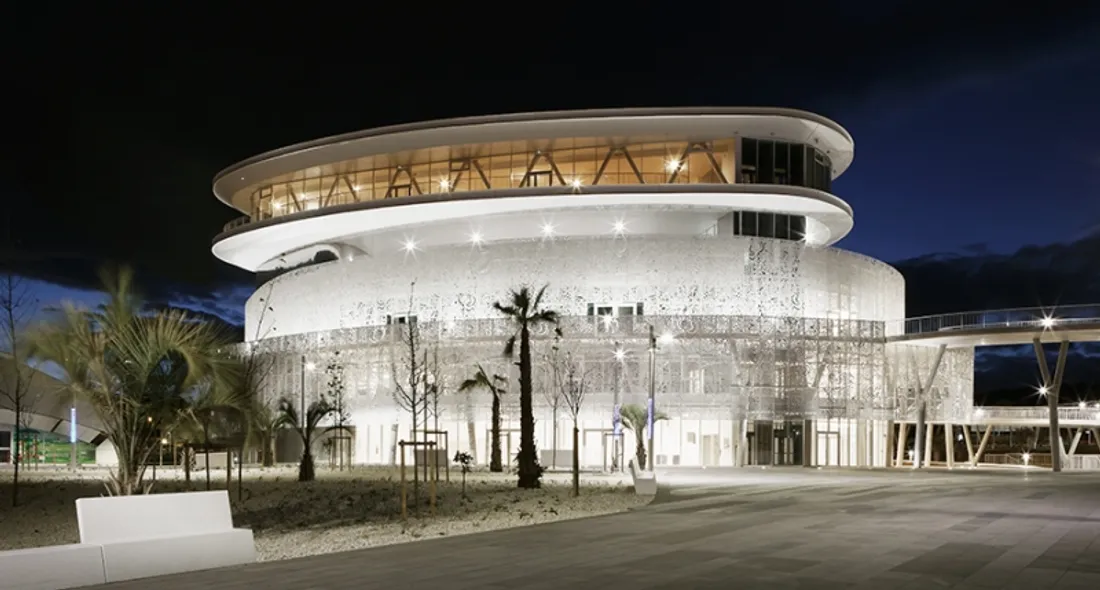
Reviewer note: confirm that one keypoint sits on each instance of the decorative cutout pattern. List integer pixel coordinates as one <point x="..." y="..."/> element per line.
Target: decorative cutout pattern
<point x="762" y="329"/>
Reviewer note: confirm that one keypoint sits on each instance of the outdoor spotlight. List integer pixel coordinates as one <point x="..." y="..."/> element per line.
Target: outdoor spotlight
<point x="409" y="246"/>
<point x="575" y="183"/>
<point x="310" y="366"/>
<point x="445" y="184"/>
<point x="1047" y="321"/>
<point x="672" y="165"/>
<point x="667" y="338"/>
<point x="476" y="238"/>
<point x="619" y="227"/>
<point x="548" y="229"/>
<point x="1082" y="405"/>
<point x="1042" y="390"/>
<point x="620" y="354"/>
<point x="1027" y="458"/>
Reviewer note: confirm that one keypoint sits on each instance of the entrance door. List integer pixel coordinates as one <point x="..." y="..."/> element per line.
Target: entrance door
<point x="828" y="449"/>
<point x="711" y="450"/>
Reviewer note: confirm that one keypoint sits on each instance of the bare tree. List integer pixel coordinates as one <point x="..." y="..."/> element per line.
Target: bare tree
<point x="341" y="419"/>
<point x="17" y="306"/>
<point x="257" y="362"/>
<point x="410" y="382"/>
<point x="572" y="380"/>
<point x="552" y="394"/>
<point x="435" y="387"/>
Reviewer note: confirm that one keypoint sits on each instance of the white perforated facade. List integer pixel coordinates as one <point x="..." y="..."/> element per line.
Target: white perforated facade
<point x="774" y="349"/>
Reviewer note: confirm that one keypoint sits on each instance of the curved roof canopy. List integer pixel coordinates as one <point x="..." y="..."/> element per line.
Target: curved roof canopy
<point x="234" y="184"/>
<point x="49" y="404"/>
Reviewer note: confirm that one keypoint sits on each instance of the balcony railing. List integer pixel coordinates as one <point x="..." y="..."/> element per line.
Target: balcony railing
<point x="1039" y="318"/>
<point x="994" y="414"/>
<point x="238" y="222"/>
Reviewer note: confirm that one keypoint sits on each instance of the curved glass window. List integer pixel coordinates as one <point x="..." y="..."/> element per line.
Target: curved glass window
<point x="769" y="225"/>
<point x="765" y="161"/>
<point x="568" y="162"/>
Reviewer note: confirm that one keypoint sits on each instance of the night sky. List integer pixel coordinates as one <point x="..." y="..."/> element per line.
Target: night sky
<point x="977" y="169"/>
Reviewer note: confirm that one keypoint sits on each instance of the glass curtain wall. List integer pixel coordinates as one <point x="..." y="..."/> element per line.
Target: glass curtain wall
<point x="567" y="163"/>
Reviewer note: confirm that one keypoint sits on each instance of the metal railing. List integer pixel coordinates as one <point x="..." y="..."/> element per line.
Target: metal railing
<point x="238" y="222"/>
<point x="1039" y="318"/>
<point x="993" y="414"/>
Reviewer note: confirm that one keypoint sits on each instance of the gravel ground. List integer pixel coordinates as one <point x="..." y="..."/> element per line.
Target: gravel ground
<point x="338" y="512"/>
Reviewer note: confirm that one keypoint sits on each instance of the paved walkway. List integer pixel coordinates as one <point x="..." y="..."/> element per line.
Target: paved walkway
<point x="771" y="529"/>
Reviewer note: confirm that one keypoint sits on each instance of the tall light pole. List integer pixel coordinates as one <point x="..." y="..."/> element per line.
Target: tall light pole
<point x="305" y="367"/>
<point x="616" y="418"/>
<point x="652" y="395"/>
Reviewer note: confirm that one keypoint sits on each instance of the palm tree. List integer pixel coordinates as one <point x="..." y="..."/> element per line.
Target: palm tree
<point x="136" y="367"/>
<point x="264" y="427"/>
<point x="496" y="386"/>
<point x="636" y="419"/>
<point x="526" y="313"/>
<point x="307" y="430"/>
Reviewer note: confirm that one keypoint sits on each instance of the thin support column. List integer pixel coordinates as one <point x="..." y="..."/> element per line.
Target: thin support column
<point x="903" y="436"/>
<point x="925" y="448"/>
<point x="928" y="445"/>
<point x="1051" y="386"/>
<point x="969" y="444"/>
<point x="981" y="446"/>
<point x="1076" y="441"/>
<point x="949" y="444"/>
<point x="886" y="458"/>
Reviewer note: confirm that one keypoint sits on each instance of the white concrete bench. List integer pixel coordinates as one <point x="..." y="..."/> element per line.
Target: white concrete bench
<point x="161" y="534"/>
<point x="52" y="568"/>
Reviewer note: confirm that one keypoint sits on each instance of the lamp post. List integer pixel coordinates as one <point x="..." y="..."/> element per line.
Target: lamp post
<point x="305" y="367"/>
<point x="652" y="395"/>
<point x="616" y="417"/>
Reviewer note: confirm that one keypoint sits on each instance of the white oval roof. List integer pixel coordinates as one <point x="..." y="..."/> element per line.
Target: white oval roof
<point x="250" y="247"/>
<point x="688" y="122"/>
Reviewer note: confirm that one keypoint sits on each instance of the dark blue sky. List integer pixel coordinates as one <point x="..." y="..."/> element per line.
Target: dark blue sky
<point x="976" y="130"/>
<point x="993" y="160"/>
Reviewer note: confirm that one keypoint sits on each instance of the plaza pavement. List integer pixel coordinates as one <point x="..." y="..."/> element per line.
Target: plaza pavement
<point x="752" y="528"/>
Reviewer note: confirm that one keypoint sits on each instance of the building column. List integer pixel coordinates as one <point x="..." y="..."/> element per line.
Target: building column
<point x="1051" y="386"/>
<point x="928" y="445"/>
<point x="808" y="443"/>
<point x="969" y="444"/>
<point x="889" y="443"/>
<point x="949" y="444"/>
<point x="903" y="436"/>
<point x="982" y="445"/>
<point x="922" y="451"/>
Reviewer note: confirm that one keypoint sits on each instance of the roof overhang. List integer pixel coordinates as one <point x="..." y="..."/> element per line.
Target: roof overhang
<point x="616" y="124"/>
<point x="251" y="246"/>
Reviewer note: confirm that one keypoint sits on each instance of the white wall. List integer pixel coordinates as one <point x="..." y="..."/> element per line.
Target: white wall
<point x="725" y="275"/>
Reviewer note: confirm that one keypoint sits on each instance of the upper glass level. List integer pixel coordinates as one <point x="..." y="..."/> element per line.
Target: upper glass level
<point x="571" y="162"/>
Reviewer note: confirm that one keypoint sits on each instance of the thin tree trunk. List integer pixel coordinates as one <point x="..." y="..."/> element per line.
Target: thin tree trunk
<point x="17" y="448"/>
<point x="496" y="465"/>
<point x="206" y="451"/>
<point x="554" y="452"/>
<point x="530" y="474"/>
<point x="187" y="465"/>
<point x="576" y="460"/>
<point x="471" y="430"/>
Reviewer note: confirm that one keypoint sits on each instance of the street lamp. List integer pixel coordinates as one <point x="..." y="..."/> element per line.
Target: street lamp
<point x="616" y="417"/>
<point x="652" y="394"/>
<point x="305" y="367"/>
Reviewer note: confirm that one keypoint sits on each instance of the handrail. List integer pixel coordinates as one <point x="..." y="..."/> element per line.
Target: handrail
<point x="1021" y="317"/>
<point x="238" y="222"/>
